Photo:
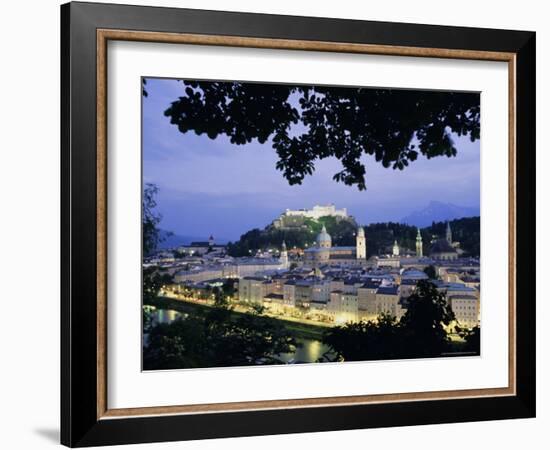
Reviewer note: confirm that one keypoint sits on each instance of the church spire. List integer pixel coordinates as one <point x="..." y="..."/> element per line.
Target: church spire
<point x="449" y="233"/>
<point x="360" y="244"/>
<point x="395" y="249"/>
<point x="283" y="257"/>
<point x="419" y="252"/>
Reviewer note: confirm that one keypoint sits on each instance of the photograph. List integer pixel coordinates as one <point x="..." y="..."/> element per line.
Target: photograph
<point x="298" y="224"/>
<point x="275" y="223"/>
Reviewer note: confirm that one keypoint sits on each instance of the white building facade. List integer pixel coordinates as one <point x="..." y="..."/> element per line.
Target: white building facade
<point x="318" y="211"/>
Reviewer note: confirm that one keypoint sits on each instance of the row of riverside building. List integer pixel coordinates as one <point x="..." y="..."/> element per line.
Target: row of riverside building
<point x="362" y="297"/>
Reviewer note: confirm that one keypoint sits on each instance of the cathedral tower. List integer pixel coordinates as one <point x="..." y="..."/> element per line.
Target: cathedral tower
<point x="361" y="244"/>
<point x="419" y="252"/>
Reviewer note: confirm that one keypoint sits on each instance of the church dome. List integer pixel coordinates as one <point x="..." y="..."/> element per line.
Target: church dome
<point x="323" y="239"/>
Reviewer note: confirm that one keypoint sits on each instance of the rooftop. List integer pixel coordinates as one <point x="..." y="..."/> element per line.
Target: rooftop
<point x="388" y="290"/>
<point x="413" y="274"/>
<point x="442" y="246"/>
<point x="463" y="297"/>
<point x="370" y="284"/>
<point x="254" y="278"/>
<point x="257" y="261"/>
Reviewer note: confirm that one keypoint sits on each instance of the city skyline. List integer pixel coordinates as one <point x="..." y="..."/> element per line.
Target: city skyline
<point x="301" y="282"/>
<point x="214" y="187"/>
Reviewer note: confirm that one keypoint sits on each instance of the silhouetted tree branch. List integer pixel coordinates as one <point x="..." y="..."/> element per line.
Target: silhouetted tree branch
<point x="308" y="123"/>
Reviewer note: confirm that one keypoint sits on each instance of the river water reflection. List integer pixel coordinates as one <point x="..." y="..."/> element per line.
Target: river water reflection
<point x="165" y="316"/>
<point x="310" y="351"/>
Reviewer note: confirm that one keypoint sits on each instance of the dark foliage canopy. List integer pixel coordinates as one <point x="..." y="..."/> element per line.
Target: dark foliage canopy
<point x="308" y="123"/>
<point x="150" y="219"/>
<point x="420" y="333"/>
<point x="217" y="338"/>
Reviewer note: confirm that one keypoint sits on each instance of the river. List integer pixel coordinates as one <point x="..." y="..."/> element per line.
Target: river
<point x="309" y="351"/>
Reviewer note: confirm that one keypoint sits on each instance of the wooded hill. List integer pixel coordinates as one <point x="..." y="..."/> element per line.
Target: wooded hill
<point x="380" y="236"/>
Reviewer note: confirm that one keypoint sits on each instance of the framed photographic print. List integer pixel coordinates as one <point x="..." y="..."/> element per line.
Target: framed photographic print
<point x="277" y="224"/>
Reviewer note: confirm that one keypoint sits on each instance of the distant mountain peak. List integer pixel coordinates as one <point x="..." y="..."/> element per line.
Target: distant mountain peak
<point x="437" y="211"/>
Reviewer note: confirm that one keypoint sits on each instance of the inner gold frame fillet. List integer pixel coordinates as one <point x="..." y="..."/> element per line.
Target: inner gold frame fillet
<point x="104" y="35"/>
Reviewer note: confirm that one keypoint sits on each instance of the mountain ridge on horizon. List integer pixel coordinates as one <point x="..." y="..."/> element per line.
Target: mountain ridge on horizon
<point x="437" y="211"/>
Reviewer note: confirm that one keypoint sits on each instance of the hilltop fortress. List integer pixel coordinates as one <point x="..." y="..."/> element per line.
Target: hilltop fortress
<point x="318" y="211"/>
<point x="295" y="218"/>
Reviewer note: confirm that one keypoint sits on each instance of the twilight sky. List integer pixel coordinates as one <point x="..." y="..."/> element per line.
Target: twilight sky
<point x="214" y="187"/>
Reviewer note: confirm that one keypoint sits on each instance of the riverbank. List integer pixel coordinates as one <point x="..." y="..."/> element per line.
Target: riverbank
<point x="297" y="329"/>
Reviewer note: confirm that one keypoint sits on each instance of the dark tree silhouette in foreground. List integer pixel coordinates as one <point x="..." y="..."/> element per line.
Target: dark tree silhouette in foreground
<point x="308" y="123"/>
<point x="472" y="338"/>
<point x="428" y="313"/>
<point x="217" y="338"/>
<point x="420" y="332"/>
<point x="364" y="341"/>
<point x="150" y="219"/>
<point x="431" y="272"/>
<point x="152" y="278"/>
